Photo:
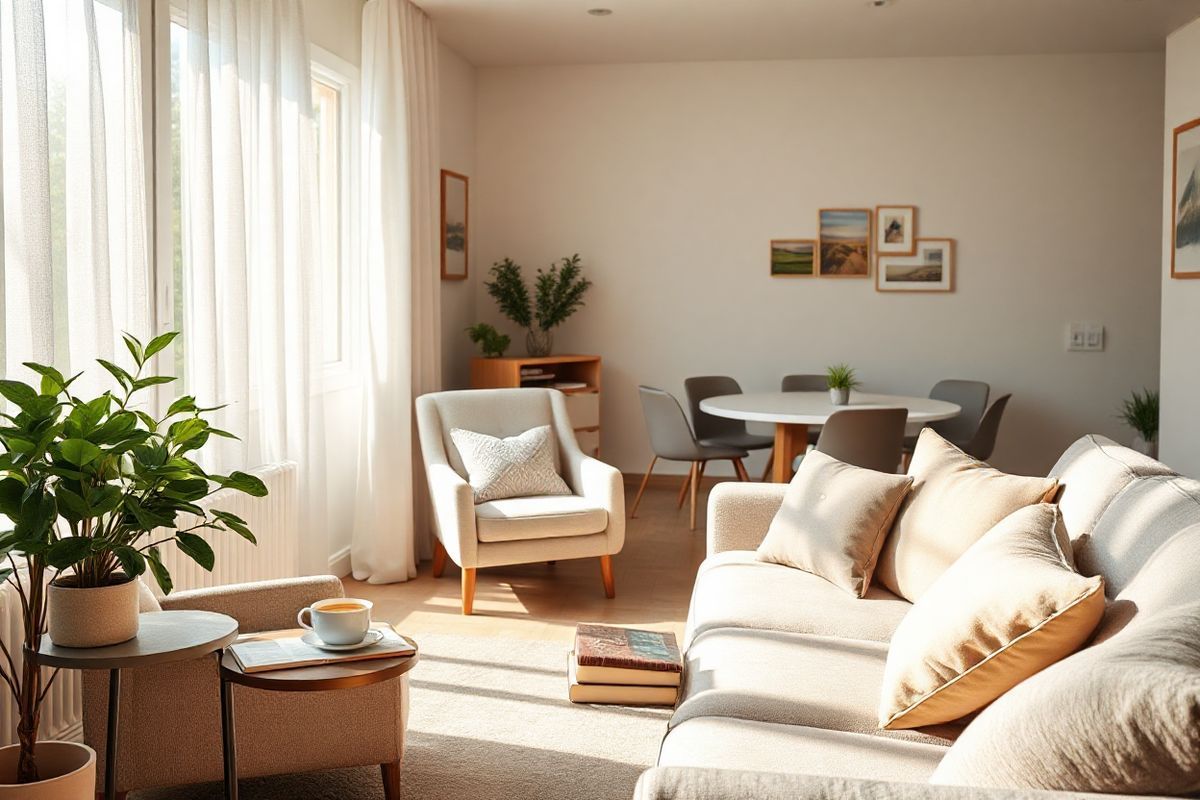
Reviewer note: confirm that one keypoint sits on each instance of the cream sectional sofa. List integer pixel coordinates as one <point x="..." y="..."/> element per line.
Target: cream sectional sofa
<point x="783" y="669"/>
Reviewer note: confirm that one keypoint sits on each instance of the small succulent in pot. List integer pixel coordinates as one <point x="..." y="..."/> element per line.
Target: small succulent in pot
<point x="1140" y="412"/>
<point x="840" y="378"/>
<point x="94" y="489"/>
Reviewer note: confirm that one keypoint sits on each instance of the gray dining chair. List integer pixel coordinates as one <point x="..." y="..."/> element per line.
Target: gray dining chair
<point x="971" y="397"/>
<point x="871" y="438"/>
<point x="720" y="431"/>
<point x="983" y="444"/>
<point x="672" y="438"/>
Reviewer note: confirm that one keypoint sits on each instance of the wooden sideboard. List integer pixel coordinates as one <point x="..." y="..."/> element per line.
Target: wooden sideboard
<point x="583" y="402"/>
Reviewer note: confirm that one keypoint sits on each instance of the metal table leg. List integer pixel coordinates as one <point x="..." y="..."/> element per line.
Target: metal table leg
<point x="111" y="745"/>
<point x="228" y="740"/>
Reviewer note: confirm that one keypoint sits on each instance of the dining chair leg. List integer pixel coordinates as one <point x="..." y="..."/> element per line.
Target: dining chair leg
<point x="905" y="460"/>
<point x="606" y="575"/>
<point x="770" y="463"/>
<point x="642" y="489"/>
<point x="697" y="469"/>
<point x="687" y="481"/>
<point x="740" y="468"/>
<point x="439" y="558"/>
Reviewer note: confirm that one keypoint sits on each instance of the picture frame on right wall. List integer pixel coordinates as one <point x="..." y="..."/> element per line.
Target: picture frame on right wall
<point x="930" y="269"/>
<point x="1185" y="202"/>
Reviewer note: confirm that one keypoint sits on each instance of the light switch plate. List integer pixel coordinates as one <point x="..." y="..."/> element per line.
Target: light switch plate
<point x="1085" y="337"/>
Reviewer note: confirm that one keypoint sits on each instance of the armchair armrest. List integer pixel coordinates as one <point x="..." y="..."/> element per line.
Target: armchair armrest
<point x="701" y="783"/>
<point x="453" y="512"/>
<point x="740" y="513"/>
<point x="258" y="606"/>
<point x="602" y="484"/>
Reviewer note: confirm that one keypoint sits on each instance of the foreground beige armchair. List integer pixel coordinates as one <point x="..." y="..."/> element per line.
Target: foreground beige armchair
<point x="520" y="530"/>
<point x="170" y="715"/>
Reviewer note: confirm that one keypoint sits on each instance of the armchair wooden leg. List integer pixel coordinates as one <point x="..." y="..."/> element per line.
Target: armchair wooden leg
<point x="642" y="489"/>
<point x="606" y="574"/>
<point x="439" y="558"/>
<point x="697" y="470"/>
<point x="740" y="468"/>
<point x="468" y="590"/>
<point x="766" y="476"/>
<point x="905" y="460"/>
<point x="391" y="780"/>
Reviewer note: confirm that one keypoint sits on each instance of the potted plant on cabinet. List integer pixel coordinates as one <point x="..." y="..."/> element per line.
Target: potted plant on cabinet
<point x="559" y="292"/>
<point x="84" y="483"/>
<point x="492" y="343"/>
<point x="841" y="379"/>
<point x="1140" y="412"/>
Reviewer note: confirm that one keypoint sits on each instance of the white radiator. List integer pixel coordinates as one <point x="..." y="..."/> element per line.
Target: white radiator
<point x="272" y="518"/>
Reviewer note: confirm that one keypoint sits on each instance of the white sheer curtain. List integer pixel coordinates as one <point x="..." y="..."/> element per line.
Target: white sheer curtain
<point x="401" y="347"/>
<point x="74" y="262"/>
<point x="251" y="303"/>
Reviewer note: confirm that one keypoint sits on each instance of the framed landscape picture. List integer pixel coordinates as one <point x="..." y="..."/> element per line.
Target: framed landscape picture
<point x="895" y="230"/>
<point x="1185" y="200"/>
<point x="930" y="269"/>
<point x="454" y="226"/>
<point x="844" y="242"/>
<point x="793" y="258"/>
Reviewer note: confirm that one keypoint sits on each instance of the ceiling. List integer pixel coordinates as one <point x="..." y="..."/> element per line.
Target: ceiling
<point x="512" y="32"/>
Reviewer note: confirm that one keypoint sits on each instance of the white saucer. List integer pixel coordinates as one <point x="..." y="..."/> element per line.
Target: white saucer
<point x="373" y="637"/>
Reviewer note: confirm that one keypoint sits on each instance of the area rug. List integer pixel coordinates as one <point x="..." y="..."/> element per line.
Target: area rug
<point x="489" y="721"/>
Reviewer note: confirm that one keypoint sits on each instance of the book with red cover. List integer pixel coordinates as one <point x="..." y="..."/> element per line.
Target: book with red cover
<point x="626" y="648"/>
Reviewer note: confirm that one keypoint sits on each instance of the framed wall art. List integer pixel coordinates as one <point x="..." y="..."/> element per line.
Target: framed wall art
<point x="455" y="233"/>
<point x="930" y="269"/>
<point x="844" y="241"/>
<point x="895" y="230"/>
<point x="1185" y="202"/>
<point x="793" y="258"/>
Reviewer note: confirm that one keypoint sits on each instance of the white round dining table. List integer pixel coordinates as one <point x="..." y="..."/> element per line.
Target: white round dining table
<point x="793" y="412"/>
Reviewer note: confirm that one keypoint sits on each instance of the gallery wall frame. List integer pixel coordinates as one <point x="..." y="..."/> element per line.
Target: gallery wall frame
<point x="895" y="230"/>
<point x="455" y="229"/>
<point x="929" y="270"/>
<point x="793" y="258"/>
<point x="844" y="243"/>
<point x="1185" y="201"/>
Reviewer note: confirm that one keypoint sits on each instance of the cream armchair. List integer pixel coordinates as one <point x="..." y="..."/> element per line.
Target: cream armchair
<point x="521" y="530"/>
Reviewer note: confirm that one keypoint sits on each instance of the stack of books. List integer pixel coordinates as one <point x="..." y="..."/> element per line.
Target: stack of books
<point x="536" y="374"/>
<point x="622" y="666"/>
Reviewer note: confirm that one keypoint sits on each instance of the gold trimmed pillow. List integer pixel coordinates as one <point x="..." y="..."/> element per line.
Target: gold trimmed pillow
<point x="955" y="499"/>
<point x="516" y="466"/>
<point x="833" y="521"/>
<point x="1008" y="608"/>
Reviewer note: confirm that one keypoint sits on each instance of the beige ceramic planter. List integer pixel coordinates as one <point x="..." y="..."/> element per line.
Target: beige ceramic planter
<point x="93" y="617"/>
<point x="67" y="771"/>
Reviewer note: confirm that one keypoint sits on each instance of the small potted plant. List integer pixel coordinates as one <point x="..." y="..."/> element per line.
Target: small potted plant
<point x="841" y="379"/>
<point x="1140" y="412"/>
<point x="559" y="294"/>
<point x="94" y="488"/>
<point x="492" y="343"/>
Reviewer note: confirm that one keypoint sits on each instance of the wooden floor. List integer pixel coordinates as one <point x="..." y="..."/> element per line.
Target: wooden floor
<point x="654" y="576"/>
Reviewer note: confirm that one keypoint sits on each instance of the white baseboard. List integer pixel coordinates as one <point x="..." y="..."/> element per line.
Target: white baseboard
<point x="339" y="562"/>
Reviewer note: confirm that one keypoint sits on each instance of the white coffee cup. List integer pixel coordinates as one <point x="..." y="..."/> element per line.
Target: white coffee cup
<point x="338" y="620"/>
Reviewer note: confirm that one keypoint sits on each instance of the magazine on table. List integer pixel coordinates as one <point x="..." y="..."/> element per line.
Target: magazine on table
<point x="261" y="652"/>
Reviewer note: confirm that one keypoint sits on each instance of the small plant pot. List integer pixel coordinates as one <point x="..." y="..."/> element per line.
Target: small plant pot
<point x="67" y="771"/>
<point x="839" y="397"/>
<point x="93" y="617"/>
<point x="1149" y="448"/>
<point x="538" y="342"/>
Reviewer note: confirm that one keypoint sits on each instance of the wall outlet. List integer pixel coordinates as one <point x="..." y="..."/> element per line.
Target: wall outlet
<point x="1085" y="337"/>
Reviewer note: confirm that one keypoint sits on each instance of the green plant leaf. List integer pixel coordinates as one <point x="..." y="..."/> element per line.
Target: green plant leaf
<point x="11" y="491"/>
<point x="158" y="343"/>
<point x="79" y="452"/>
<point x="70" y="505"/>
<point x="53" y="381"/>
<point x="153" y="380"/>
<point x="148" y="519"/>
<point x="68" y="551"/>
<point x="150" y="422"/>
<point x="105" y="500"/>
<point x="17" y="393"/>
<point x="182" y="405"/>
<point x="114" y="428"/>
<point x="198" y="549"/>
<point x="235" y="524"/>
<point x="187" y="489"/>
<point x="123" y="377"/>
<point x="37" y="515"/>
<point x="161" y="575"/>
<point x="135" y="348"/>
<point x="242" y="482"/>
<point x="133" y="562"/>
<point x="186" y="429"/>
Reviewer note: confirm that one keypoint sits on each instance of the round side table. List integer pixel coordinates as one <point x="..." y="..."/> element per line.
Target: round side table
<point x="163" y="636"/>
<point x="316" y="678"/>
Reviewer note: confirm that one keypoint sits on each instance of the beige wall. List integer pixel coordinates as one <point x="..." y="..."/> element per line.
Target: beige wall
<point x="1180" y="425"/>
<point x="336" y="25"/>
<point x="456" y="80"/>
<point x="670" y="179"/>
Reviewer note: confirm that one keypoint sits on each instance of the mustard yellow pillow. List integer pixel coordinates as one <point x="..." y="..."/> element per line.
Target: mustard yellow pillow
<point x="833" y="520"/>
<point x="955" y="499"/>
<point x="1008" y="608"/>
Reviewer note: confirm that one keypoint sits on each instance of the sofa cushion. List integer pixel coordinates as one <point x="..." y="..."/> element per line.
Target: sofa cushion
<point x="1091" y="473"/>
<point x="1146" y="513"/>
<point x="1122" y="716"/>
<point x="735" y="589"/>
<point x="518" y="518"/>
<point x="790" y="679"/>
<point x="770" y="747"/>
<point x="1167" y="580"/>
<point x="955" y="499"/>
<point x="1009" y="607"/>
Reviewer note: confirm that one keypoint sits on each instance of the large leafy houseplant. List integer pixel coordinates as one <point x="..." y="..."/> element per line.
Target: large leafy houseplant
<point x="94" y="488"/>
<point x="559" y="292"/>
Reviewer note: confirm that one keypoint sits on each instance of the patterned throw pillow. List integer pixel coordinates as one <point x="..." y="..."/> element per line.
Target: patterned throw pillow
<point x="518" y="466"/>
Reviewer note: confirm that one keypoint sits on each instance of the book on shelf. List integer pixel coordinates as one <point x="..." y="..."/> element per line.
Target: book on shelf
<point x="616" y="694"/>
<point x="262" y="652"/>
<point x="569" y="385"/>
<point x="626" y="648"/>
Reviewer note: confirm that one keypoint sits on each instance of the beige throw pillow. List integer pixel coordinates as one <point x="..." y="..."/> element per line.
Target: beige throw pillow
<point x="1119" y="717"/>
<point x="518" y="466"/>
<point x="833" y="521"/>
<point x="1008" y="608"/>
<point x="955" y="499"/>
